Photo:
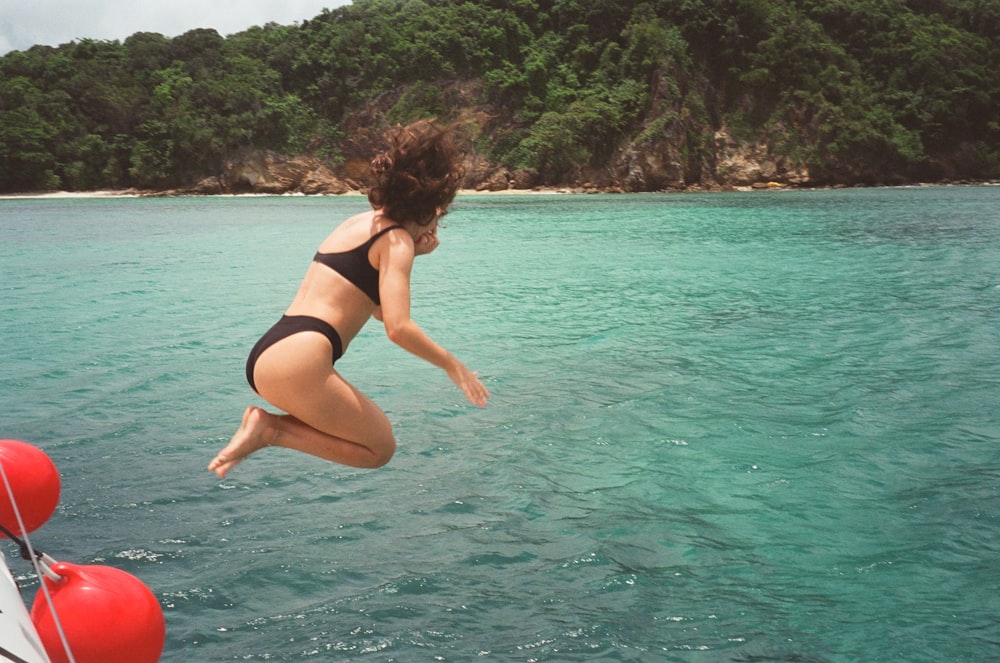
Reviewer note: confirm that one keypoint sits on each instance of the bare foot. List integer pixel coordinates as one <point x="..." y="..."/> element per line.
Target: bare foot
<point x="253" y="434"/>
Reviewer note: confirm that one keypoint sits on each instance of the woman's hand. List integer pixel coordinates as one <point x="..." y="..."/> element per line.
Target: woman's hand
<point x="426" y="243"/>
<point x="469" y="383"/>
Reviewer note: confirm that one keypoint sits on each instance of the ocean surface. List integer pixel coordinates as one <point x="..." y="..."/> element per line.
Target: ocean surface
<point x="724" y="427"/>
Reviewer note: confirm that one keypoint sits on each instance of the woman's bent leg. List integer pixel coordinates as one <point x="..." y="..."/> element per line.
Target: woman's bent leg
<point x="261" y="429"/>
<point x="327" y="416"/>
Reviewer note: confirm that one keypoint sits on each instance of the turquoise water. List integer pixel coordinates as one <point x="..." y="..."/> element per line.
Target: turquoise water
<point x="724" y="427"/>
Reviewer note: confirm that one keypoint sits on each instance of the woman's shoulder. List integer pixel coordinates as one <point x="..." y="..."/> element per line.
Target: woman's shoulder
<point x="362" y="222"/>
<point x="351" y="231"/>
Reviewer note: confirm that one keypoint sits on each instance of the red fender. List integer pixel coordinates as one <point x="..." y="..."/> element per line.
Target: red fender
<point x="108" y="616"/>
<point x="35" y="483"/>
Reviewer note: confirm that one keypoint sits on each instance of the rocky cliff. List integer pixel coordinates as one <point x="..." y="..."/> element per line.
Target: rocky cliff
<point x="680" y="154"/>
<point x="656" y="166"/>
<point x="265" y="172"/>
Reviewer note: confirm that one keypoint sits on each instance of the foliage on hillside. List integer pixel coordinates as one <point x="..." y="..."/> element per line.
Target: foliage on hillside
<point x="856" y="90"/>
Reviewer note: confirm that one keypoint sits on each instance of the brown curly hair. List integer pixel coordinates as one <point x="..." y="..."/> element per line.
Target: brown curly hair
<point x="419" y="173"/>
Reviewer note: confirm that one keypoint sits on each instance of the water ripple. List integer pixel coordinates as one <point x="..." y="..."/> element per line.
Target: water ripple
<point x="724" y="428"/>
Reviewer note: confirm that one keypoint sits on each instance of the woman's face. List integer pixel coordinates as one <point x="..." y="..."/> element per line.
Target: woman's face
<point x="418" y="231"/>
<point x="433" y="226"/>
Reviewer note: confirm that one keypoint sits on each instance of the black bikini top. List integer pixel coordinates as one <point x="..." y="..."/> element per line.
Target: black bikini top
<point x="354" y="265"/>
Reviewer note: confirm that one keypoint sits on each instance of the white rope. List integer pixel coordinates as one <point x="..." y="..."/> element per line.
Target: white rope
<point x="39" y="564"/>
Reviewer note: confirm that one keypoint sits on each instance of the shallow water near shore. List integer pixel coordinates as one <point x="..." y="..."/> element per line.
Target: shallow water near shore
<point x="724" y="427"/>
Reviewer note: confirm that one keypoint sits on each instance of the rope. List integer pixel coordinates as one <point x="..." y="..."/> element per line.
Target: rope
<point x="41" y="560"/>
<point x="25" y="550"/>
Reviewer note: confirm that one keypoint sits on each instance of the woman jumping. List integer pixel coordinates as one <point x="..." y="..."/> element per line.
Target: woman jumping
<point x="362" y="270"/>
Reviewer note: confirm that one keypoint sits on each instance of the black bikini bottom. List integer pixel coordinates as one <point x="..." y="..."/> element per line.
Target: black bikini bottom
<point x="288" y="325"/>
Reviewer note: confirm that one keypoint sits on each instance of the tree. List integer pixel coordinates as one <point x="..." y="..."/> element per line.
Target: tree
<point x="862" y="90"/>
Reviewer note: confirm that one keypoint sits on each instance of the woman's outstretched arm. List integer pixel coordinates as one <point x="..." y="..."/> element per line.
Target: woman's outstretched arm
<point x="394" y="291"/>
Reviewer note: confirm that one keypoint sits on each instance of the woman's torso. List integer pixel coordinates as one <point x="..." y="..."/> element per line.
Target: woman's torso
<point x="329" y="295"/>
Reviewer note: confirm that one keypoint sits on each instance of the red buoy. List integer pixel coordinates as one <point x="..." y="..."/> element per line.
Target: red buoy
<point x="108" y="616"/>
<point x="34" y="481"/>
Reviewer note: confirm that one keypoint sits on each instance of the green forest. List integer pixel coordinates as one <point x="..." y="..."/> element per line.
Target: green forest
<point x="857" y="91"/>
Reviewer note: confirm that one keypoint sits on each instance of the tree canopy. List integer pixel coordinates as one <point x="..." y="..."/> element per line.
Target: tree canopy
<point x="855" y="89"/>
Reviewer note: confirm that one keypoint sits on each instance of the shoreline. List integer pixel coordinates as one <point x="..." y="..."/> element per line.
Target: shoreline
<point x="131" y="193"/>
<point x="557" y="191"/>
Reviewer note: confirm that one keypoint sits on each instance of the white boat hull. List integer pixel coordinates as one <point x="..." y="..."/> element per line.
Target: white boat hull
<point x="18" y="639"/>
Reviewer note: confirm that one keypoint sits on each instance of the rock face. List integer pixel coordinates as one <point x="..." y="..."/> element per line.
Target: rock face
<point x="269" y="172"/>
<point x="753" y="164"/>
<point x="501" y="179"/>
<point x="671" y="149"/>
<point x="653" y="167"/>
<point x="263" y="172"/>
<point x="720" y="163"/>
<point x="656" y="166"/>
<point x="669" y="152"/>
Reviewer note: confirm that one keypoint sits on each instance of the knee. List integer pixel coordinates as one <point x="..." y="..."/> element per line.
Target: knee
<point x="382" y="453"/>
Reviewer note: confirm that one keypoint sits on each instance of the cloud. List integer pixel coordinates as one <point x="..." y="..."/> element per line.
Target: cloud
<point x="24" y="23"/>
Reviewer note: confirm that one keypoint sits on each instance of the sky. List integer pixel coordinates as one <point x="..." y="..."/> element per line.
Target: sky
<point x="24" y="23"/>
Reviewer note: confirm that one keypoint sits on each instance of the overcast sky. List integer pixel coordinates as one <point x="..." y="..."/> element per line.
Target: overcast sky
<point x="24" y="23"/>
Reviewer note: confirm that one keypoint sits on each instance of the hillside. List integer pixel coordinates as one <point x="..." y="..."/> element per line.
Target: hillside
<point x="664" y="94"/>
